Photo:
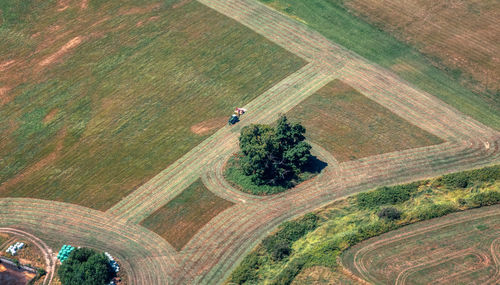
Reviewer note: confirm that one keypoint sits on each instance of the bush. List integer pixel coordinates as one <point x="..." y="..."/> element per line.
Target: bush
<point x="279" y="245"/>
<point x="433" y="211"/>
<point x="486" y="198"/>
<point x="247" y="270"/>
<point x="289" y="273"/>
<point x="389" y="213"/>
<point x="467" y="178"/>
<point x="387" y="195"/>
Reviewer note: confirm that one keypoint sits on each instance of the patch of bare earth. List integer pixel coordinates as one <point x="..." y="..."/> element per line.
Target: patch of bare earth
<point x="5" y="65"/>
<point x="84" y="4"/>
<point x="50" y="116"/>
<point x="462" y="34"/>
<point x="206" y="127"/>
<point x="4" y="97"/>
<point x="62" y="5"/>
<point x="74" y="42"/>
<point x="181" y="3"/>
<point x="141" y="10"/>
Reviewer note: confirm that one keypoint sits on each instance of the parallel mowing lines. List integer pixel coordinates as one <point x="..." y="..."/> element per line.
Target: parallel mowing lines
<point x="265" y="108"/>
<point x="195" y="153"/>
<point x="89" y="227"/>
<point x="452" y="155"/>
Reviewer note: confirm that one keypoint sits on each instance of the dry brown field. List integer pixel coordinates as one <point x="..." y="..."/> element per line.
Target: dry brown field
<point x="351" y="126"/>
<point x="461" y="36"/>
<point x="180" y="219"/>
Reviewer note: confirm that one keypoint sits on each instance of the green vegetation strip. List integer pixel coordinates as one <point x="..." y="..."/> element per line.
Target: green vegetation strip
<point x="332" y="19"/>
<point x="335" y="228"/>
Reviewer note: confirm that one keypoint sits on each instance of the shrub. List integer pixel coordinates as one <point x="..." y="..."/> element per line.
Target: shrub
<point x="289" y="273"/>
<point x="389" y="213"/>
<point x="485" y="198"/>
<point x="456" y="180"/>
<point x="433" y="211"/>
<point x="247" y="270"/>
<point x="279" y="245"/>
<point x="387" y="195"/>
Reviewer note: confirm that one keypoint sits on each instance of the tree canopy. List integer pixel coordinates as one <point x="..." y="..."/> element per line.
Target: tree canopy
<point x="85" y="266"/>
<point x="276" y="155"/>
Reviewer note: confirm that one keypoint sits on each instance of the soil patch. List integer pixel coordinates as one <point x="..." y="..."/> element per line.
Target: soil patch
<point x="4" y="98"/>
<point x="141" y="10"/>
<point x="10" y="275"/>
<point x="206" y="127"/>
<point x="50" y="116"/>
<point x="62" y="51"/>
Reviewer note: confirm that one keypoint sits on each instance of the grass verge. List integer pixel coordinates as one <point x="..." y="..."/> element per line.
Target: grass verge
<point x="333" y="20"/>
<point x="349" y="221"/>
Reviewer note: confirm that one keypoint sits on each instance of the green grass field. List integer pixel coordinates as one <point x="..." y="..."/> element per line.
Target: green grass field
<point x="181" y="218"/>
<point x="101" y="98"/>
<point x="351" y="126"/>
<point x="349" y="221"/>
<point x="335" y="22"/>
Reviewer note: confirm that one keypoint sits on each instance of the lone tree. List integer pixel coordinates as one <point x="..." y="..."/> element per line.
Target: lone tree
<point x="274" y="156"/>
<point x="87" y="267"/>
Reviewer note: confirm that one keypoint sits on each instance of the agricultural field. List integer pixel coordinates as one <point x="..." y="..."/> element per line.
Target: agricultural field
<point x="312" y="255"/>
<point x="97" y="97"/>
<point x="113" y="117"/>
<point x="351" y="126"/>
<point x="459" y="36"/>
<point x="180" y="219"/>
<point x="462" y="248"/>
<point x="334" y="21"/>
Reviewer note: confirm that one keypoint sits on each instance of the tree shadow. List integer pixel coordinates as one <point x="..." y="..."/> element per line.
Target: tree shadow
<point x="315" y="165"/>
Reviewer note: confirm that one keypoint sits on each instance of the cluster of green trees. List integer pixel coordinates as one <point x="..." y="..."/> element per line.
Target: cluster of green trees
<point x="274" y="155"/>
<point x="85" y="266"/>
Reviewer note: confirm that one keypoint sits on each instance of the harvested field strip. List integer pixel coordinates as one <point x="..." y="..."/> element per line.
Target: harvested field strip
<point x="126" y="95"/>
<point x="146" y="257"/>
<point x="351" y="126"/>
<point x="220" y="244"/>
<point x="186" y="170"/>
<point x="334" y="22"/>
<point x="183" y="216"/>
<point x="432" y="248"/>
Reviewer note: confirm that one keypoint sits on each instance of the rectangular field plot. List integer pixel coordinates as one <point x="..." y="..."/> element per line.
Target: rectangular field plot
<point x="461" y="248"/>
<point x="180" y="219"/>
<point x="351" y="126"/>
<point x="96" y="100"/>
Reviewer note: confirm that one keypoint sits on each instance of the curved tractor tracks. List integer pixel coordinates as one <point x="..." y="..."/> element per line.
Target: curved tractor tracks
<point x="50" y="259"/>
<point x="216" y="249"/>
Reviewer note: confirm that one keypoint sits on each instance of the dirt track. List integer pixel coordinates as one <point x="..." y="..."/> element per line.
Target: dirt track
<point x="214" y="251"/>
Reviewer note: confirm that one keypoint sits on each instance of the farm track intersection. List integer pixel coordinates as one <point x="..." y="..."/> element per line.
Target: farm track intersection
<point x="217" y="248"/>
